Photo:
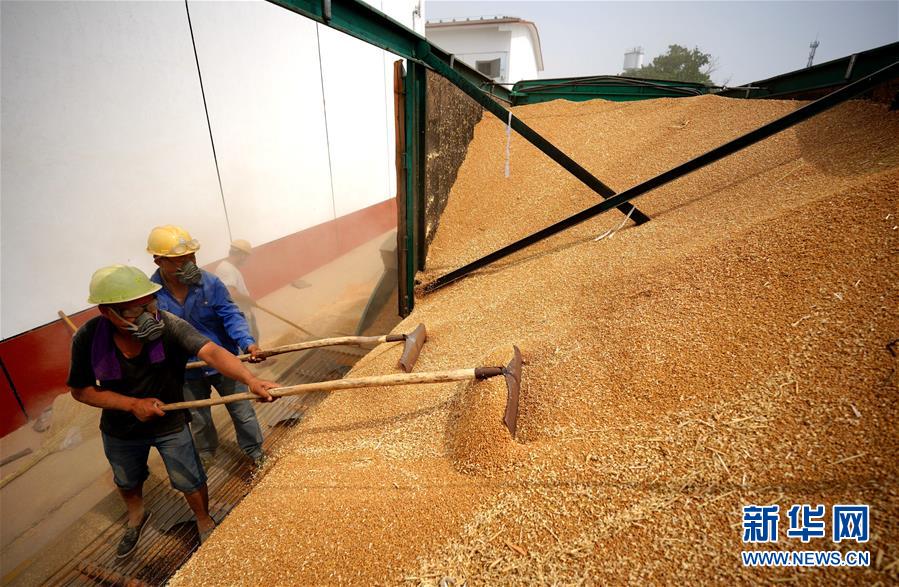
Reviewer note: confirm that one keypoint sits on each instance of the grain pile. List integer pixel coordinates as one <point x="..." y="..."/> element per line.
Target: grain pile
<point x="734" y="350"/>
<point x="477" y="440"/>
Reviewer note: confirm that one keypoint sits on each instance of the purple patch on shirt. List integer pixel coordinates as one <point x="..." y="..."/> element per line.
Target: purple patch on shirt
<point x="103" y="357"/>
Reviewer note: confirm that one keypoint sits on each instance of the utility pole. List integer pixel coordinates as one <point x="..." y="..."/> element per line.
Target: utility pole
<point x="811" y="54"/>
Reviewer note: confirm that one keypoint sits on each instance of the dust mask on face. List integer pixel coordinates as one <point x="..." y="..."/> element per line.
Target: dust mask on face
<point x="146" y="327"/>
<point x="189" y="274"/>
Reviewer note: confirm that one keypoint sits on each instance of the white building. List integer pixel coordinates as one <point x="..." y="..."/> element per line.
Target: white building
<point x="504" y="48"/>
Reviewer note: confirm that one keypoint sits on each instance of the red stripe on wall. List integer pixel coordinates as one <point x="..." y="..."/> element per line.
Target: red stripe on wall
<point x="38" y="360"/>
<point x="275" y="264"/>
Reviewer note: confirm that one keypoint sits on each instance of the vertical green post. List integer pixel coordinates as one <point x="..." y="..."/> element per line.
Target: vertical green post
<point x="414" y="161"/>
<point x="419" y="162"/>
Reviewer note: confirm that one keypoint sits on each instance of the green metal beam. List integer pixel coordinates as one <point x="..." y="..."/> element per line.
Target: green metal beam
<point x="416" y="88"/>
<point x="410" y="223"/>
<point x="404" y="240"/>
<point x="818" y="78"/>
<point x="411" y="193"/>
<point x="360" y="20"/>
<point x="606" y="87"/>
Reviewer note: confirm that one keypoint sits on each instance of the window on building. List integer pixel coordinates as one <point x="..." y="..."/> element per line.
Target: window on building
<point x="488" y="68"/>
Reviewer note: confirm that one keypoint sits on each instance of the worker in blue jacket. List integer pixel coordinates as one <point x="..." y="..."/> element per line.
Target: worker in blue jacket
<point x="202" y="299"/>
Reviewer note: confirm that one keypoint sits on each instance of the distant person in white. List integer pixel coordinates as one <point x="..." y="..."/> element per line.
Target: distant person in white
<point x="228" y="271"/>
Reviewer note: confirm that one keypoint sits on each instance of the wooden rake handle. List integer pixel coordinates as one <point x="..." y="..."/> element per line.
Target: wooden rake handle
<point x="314" y="344"/>
<point x="67" y="321"/>
<point x="338" y="384"/>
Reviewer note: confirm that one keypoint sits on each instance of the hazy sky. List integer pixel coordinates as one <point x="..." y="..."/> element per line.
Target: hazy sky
<point x="751" y="40"/>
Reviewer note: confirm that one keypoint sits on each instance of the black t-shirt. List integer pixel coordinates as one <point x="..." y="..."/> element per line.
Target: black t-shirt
<point x="140" y="377"/>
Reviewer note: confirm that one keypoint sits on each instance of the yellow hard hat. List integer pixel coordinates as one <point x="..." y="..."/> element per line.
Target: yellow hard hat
<point x="120" y="283"/>
<point x="171" y="241"/>
<point x="242" y="245"/>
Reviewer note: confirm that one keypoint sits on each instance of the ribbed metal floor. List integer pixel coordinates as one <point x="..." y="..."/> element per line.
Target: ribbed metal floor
<point x="171" y="535"/>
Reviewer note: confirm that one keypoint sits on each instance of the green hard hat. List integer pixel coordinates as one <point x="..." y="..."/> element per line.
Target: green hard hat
<point x="120" y="283"/>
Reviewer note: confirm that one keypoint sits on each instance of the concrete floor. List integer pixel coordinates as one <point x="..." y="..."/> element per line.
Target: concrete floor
<point x="52" y="511"/>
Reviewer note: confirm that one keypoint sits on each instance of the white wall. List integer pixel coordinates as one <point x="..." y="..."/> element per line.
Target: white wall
<point x="522" y="60"/>
<point x="265" y="108"/>
<point x="354" y="84"/>
<point x="104" y="135"/>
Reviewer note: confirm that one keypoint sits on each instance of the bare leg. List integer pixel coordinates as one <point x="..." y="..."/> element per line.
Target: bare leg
<point x="134" y="501"/>
<point x="199" y="503"/>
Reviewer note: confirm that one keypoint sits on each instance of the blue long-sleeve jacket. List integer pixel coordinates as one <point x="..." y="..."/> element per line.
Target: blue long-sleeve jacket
<point x="209" y="308"/>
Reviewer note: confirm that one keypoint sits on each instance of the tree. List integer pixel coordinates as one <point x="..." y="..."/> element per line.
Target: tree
<point x="679" y="64"/>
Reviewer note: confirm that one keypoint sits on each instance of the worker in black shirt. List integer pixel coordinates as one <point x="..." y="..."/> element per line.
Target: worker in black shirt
<point x="129" y="361"/>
